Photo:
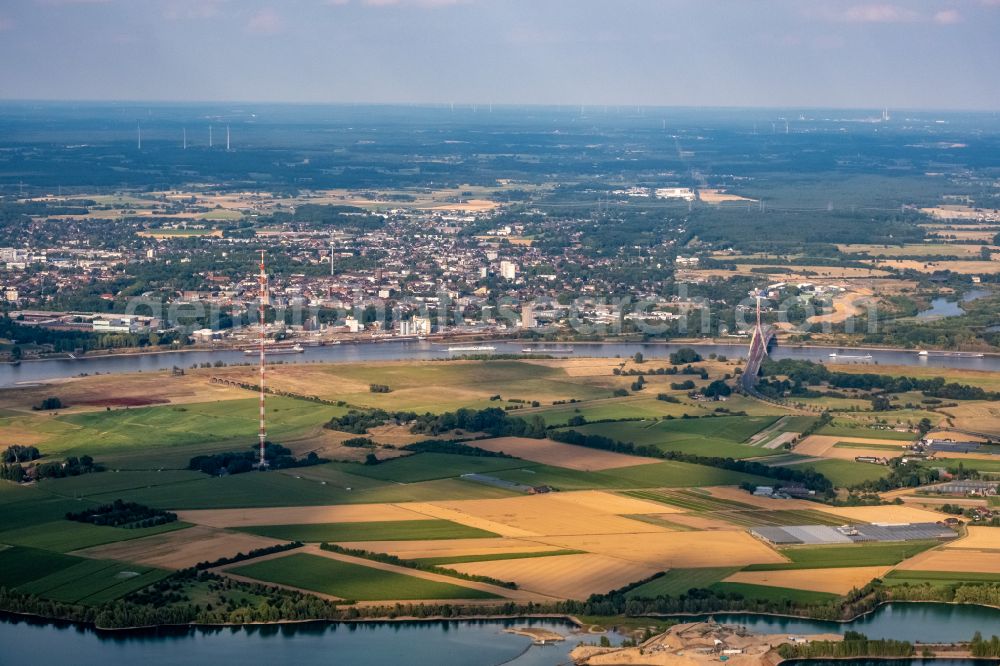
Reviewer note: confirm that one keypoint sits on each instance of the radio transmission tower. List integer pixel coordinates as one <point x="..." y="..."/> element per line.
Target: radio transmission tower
<point x="263" y="300"/>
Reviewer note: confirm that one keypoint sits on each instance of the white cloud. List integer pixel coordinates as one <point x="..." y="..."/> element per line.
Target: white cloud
<point x="883" y="12"/>
<point x="265" y="22"/>
<point x="947" y="17"/>
<point x="878" y="13"/>
<point x="426" y="4"/>
<point x="175" y="10"/>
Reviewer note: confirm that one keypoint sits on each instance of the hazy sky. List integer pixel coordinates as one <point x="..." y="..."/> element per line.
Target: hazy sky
<point x="909" y="53"/>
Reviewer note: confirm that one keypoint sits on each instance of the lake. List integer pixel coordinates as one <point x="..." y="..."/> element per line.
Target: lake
<point x="35" y="371"/>
<point x="452" y="643"/>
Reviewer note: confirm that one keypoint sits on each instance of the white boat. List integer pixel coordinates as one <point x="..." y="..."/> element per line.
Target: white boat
<point x="477" y="348"/>
<point x="864" y="357"/>
<point x="948" y="354"/>
<point x="546" y="350"/>
<point x="295" y="349"/>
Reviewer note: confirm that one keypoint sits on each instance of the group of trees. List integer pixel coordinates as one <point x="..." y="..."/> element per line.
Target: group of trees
<point x="854" y="645"/>
<point x="16" y="453"/>
<point x="119" y="513"/>
<point x="49" y="404"/>
<point x="358" y="421"/>
<point x="814" y="374"/>
<point x="453" y="447"/>
<point x="492" y="420"/>
<point x="982" y="648"/>
<point x="70" y="466"/>
<point x="684" y="355"/>
<point x="239" y="462"/>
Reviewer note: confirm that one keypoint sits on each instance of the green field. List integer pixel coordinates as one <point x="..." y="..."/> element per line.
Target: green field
<point x="280" y="489"/>
<point x="94" y="582"/>
<point x="63" y="536"/>
<point x="462" y="559"/>
<point x="387" y="530"/>
<point x="797" y="423"/>
<point x="352" y="581"/>
<point x="846" y="473"/>
<point x="991" y="466"/>
<point x="678" y="581"/>
<point x="655" y="475"/>
<point x="23" y="565"/>
<point x="706" y="436"/>
<point x="659" y="521"/>
<point x="769" y="593"/>
<point x="445" y="386"/>
<point x="845" y="429"/>
<point x="898" y="448"/>
<point x="430" y="466"/>
<point x="691" y="500"/>
<point x="679" y="475"/>
<point x="622" y="408"/>
<point x="135" y="438"/>
<point x="790" y="517"/>
<point x="853" y="555"/>
<point x="938" y="577"/>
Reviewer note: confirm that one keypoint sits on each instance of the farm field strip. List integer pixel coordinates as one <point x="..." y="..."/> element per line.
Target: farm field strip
<point x="834" y="581"/>
<point x="841" y="556"/>
<point x="770" y="593"/>
<point x="678" y="581"/>
<point x="396" y="530"/>
<point x="690" y="501"/>
<point x="177" y="550"/>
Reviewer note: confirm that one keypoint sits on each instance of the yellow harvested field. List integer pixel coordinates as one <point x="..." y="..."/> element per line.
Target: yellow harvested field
<point x="180" y="549"/>
<point x="457" y="515"/>
<point x="564" y="576"/>
<point x="941" y="249"/>
<point x="984" y="235"/>
<point x="299" y="515"/>
<point x="884" y="514"/>
<point x="558" y="454"/>
<point x="581" y="366"/>
<point x="846" y="305"/>
<point x="470" y="206"/>
<point x="954" y="559"/>
<point x="97" y="392"/>
<point x="716" y="196"/>
<point x="824" y="446"/>
<point x="979" y="538"/>
<point x="960" y="212"/>
<point x="452" y="547"/>
<point x="600" y="501"/>
<point x="980" y="416"/>
<point x="737" y="495"/>
<point x="541" y="515"/>
<point x="675" y="550"/>
<point x="963" y="267"/>
<point x="834" y="581"/>
<point x="813" y="272"/>
<point x="698" y="521"/>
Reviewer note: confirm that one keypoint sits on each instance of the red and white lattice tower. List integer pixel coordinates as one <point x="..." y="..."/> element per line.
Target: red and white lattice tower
<point x="263" y="300"/>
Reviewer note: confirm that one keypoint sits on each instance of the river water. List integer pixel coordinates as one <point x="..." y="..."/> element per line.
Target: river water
<point x="458" y="643"/>
<point x="35" y="371"/>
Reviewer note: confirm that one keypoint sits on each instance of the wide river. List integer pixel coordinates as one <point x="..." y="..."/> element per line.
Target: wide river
<point x="392" y="350"/>
<point x="453" y="643"/>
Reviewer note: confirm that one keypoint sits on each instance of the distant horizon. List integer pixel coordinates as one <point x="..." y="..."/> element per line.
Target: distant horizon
<point x="466" y="105"/>
<point x="905" y="54"/>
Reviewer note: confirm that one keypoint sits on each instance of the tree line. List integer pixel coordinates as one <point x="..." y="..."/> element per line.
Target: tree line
<point x="240" y="462"/>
